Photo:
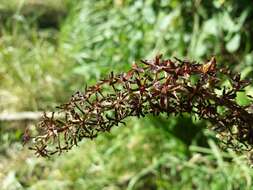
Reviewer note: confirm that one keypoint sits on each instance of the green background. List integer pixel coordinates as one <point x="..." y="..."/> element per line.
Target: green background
<point x="51" y="49"/>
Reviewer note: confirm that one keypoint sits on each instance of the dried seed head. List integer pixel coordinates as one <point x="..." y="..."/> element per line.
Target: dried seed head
<point x="152" y="87"/>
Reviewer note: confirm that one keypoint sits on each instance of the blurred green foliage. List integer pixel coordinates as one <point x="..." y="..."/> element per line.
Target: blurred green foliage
<point x="40" y="67"/>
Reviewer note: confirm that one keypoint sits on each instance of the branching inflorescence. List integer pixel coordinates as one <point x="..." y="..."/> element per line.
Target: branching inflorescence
<point x="151" y="87"/>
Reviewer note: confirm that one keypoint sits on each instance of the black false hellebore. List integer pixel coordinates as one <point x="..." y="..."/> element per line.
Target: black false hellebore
<point x="151" y="87"/>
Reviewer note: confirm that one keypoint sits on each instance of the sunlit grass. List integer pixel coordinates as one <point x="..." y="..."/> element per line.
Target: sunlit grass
<point x="17" y="5"/>
<point x="139" y="156"/>
<point x="31" y="70"/>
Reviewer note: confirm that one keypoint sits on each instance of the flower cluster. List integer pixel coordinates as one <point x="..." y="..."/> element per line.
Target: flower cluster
<point x="152" y="87"/>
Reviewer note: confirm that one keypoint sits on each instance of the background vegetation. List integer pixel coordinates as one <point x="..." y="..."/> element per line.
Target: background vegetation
<point x="50" y="49"/>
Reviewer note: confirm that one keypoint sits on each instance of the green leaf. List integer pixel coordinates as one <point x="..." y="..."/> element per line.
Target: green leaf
<point x="246" y="71"/>
<point x="242" y="99"/>
<point x="228" y="23"/>
<point x="234" y="43"/>
<point x="211" y="27"/>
